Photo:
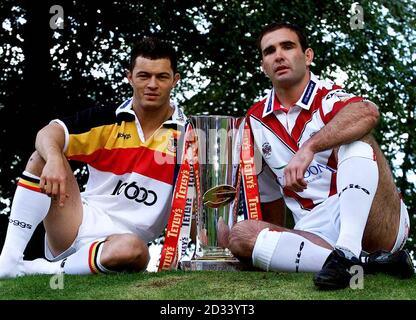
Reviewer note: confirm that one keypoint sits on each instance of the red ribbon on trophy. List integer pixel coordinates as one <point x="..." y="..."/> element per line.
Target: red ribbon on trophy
<point x="176" y="233"/>
<point x="182" y="201"/>
<point x="249" y="176"/>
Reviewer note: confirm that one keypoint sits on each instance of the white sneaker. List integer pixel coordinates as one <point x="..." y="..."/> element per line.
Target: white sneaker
<point x="41" y="266"/>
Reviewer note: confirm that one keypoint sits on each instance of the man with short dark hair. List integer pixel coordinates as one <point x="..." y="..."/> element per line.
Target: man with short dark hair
<point x="321" y="162"/>
<point x="130" y="153"/>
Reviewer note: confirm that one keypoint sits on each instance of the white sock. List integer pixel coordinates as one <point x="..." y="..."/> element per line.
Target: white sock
<point x="86" y="260"/>
<point x="29" y="208"/>
<point x="287" y="251"/>
<point x="357" y="180"/>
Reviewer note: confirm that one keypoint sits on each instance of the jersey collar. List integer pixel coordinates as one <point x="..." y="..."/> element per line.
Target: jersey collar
<point x="272" y="103"/>
<point x="125" y="112"/>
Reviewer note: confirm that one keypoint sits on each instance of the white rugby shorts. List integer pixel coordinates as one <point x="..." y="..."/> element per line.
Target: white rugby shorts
<point x="95" y="225"/>
<point x="324" y="221"/>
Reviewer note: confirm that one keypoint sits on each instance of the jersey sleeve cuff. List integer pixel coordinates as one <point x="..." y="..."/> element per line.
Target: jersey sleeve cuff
<point x="63" y="125"/>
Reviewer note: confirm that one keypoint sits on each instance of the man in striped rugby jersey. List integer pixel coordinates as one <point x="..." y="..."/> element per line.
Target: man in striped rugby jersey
<point x="321" y="162"/>
<point x="131" y="156"/>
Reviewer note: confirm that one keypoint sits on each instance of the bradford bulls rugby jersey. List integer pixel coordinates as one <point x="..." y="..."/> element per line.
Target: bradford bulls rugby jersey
<point x="130" y="179"/>
<point x="278" y="134"/>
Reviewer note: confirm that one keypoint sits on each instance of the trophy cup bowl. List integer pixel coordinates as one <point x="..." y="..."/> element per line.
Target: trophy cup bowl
<point x="218" y="156"/>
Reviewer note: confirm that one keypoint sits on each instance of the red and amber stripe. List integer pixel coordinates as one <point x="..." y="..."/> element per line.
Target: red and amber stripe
<point x="92" y="257"/>
<point x="156" y="165"/>
<point x="29" y="183"/>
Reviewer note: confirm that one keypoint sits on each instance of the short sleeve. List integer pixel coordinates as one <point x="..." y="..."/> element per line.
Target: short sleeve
<point x="87" y="132"/>
<point x="334" y="101"/>
<point x="63" y="125"/>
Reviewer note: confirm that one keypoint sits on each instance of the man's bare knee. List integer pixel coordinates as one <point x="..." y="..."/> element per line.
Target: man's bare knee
<point x="35" y="164"/>
<point x="243" y="237"/>
<point x="125" y="252"/>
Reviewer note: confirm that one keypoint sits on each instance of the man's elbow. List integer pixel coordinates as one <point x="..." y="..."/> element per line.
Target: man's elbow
<point x="45" y="131"/>
<point x="52" y="131"/>
<point x="372" y="113"/>
<point x="40" y="134"/>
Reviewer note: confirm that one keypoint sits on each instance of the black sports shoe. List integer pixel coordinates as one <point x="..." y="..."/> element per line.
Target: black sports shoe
<point x="335" y="273"/>
<point x="397" y="264"/>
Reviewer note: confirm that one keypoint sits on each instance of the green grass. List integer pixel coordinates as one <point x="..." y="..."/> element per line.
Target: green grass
<point x="200" y="285"/>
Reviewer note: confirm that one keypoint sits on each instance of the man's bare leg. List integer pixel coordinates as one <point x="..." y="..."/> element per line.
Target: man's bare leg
<point x="383" y="221"/>
<point x="369" y="215"/>
<point x="61" y="223"/>
<point x="30" y="206"/>
<point x="115" y="253"/>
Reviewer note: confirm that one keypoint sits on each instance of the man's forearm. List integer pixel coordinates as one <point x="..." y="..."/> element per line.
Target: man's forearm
<point x="350" y="124"/>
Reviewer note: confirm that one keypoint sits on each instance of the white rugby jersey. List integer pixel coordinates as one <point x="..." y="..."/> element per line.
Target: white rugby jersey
<point x="130" y="179"/>
<point x="278" y="134"/>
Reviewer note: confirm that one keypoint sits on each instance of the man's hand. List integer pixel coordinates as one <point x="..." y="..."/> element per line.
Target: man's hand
<point x="351" y="123"/>
<point x="296" y="168"/>
<point x="53" y="179"/>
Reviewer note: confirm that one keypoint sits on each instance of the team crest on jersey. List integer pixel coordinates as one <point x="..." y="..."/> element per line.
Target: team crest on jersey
<point x="266" y="148"/>
<point x="171" y="145"/>
<point x="340" y="94"/>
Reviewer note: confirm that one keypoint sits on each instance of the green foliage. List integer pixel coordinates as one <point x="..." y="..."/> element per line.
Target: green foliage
<point x="48" y="73"/>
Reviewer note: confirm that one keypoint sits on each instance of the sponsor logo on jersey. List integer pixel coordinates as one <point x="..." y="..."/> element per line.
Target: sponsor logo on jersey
<point x="316" y="170"/>
<point x="341" y="95"/>
<point x="312" y="170"/>
<point x="308" y="93"/>
<point x="270" y="104"/>
<point x="133" y="192"/>
<point x="266" y="148"/>
<point x="330" y="95"/>
<point x="125" y="136"/>
<point x="311" y="174"/>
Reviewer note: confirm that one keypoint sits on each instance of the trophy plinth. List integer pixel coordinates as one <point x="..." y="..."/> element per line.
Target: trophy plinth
<point x="218" y="264"/>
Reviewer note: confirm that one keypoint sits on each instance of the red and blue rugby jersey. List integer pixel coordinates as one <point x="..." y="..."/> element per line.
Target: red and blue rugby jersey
<point x="278" y="134"/>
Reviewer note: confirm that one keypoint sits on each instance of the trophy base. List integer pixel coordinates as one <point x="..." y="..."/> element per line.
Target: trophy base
<point x="213" y="265"/>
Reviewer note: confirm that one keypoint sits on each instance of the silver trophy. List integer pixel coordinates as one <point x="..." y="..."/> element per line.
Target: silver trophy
<point x="218" y="155"/>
